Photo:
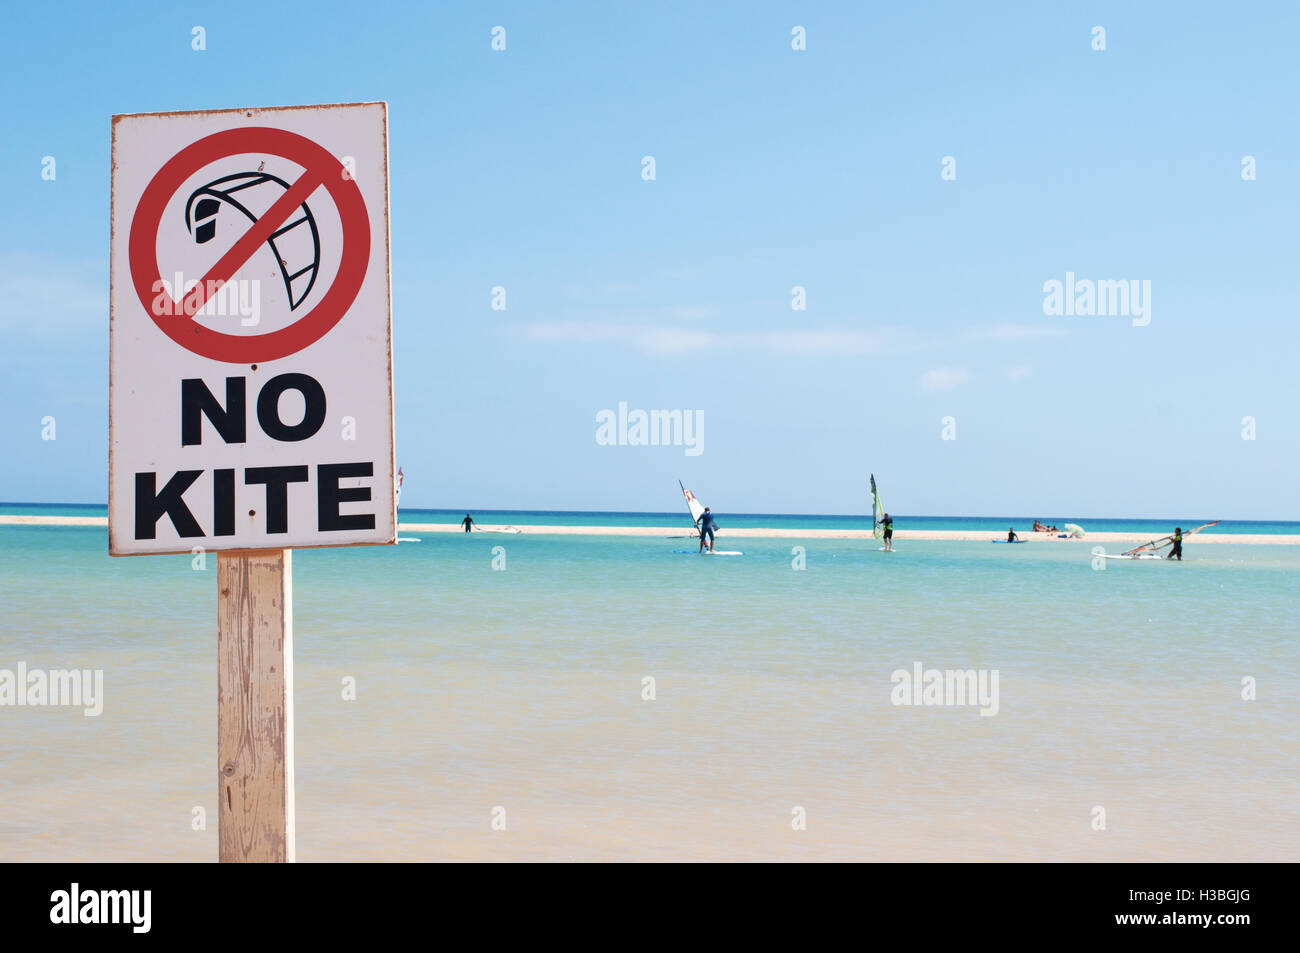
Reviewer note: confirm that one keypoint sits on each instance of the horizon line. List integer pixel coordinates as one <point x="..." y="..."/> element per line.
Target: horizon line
<point x="674" y="513"/>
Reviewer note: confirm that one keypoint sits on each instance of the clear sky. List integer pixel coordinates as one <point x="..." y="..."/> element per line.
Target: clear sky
<point x="775" y="168"/>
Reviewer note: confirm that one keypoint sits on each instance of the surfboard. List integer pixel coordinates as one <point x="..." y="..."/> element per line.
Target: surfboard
<point x="408" y="539"/>
<point x="716" y="552"/>
<point x="1012" y="541"/>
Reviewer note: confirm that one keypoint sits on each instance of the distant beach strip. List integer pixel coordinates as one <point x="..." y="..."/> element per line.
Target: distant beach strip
<point x="746" y="532"/>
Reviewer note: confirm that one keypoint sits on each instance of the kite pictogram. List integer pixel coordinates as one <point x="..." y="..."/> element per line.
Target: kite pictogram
<point x="260" y="190"/>
<point x="285" y="213"/>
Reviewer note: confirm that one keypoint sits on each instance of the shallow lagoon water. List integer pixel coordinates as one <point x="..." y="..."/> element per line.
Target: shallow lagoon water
<point x="522" y="688"/>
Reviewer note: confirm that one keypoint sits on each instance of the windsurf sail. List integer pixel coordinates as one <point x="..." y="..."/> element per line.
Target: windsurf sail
<point x="877" y="511"/>
<point x="1163" y="541"/>
<point x="695" y="506"/>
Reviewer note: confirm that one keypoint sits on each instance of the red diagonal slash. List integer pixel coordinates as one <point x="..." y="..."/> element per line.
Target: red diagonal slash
<point x="321" y="169"/>
<point x="251" y="241"/>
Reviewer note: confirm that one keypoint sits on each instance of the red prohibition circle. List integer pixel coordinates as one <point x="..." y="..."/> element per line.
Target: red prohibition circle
<point x="320" y="169"/>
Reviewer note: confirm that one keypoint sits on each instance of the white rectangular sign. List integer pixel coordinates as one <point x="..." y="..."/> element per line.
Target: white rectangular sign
<point x="250" y="368"/>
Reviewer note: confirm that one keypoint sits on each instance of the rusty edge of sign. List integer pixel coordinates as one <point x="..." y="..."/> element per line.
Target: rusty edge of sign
<point x="112" y="255"/>
<point x="388" y="290"/>
<point x="249" y="113"/>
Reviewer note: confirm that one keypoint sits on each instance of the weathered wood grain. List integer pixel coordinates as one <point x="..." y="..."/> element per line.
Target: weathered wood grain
<point x="255" y="706"/>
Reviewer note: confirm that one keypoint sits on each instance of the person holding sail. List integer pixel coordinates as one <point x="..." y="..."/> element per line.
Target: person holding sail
<point x="706" y="525"/>
<point x="887" y="522"/>
<point x="1177" y="551"/>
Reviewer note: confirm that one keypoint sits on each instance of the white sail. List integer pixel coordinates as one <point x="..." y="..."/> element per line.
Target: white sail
<point x="1163" y="541"/>
<point x="877" y="511"/>
<point x="696" y="508"/>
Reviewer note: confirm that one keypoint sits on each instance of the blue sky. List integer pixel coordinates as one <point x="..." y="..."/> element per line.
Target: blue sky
<point x="775" y="168"/>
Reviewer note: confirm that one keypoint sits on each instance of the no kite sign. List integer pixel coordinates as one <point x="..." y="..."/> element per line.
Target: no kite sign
<point x="251" y="399"/>
<point x="251" y="391"/>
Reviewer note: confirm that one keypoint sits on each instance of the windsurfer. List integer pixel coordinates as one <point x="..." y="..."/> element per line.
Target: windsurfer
<point x="887" y="522"/>
<point x="1177" y="551"/>
<point x="468" y="522"/>
<point x="705" y="523"/>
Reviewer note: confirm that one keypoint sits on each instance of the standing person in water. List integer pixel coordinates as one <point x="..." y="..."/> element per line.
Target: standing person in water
<point x="1177" y="551"/>
<point x="706" y="526"/>
<point x="887" y="521"/>
<point x="468" y="522"/>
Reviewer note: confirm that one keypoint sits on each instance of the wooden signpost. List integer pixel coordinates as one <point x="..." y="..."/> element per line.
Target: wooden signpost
<point x="255" y="705"/>
<point x="251" y="391"/>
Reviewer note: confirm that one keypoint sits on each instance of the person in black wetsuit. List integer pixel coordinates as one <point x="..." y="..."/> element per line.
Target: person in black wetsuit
<point x="467" y="522"/>
<point x="706" y="528"/>
<point x="887" y="521"/>
<point x="1177" y="551"/>
<point x="1011" y="535"/>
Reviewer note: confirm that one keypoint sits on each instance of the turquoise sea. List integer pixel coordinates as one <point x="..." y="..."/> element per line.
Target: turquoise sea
<point x="521" y="687"/>
<point x="993" y="524"/>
